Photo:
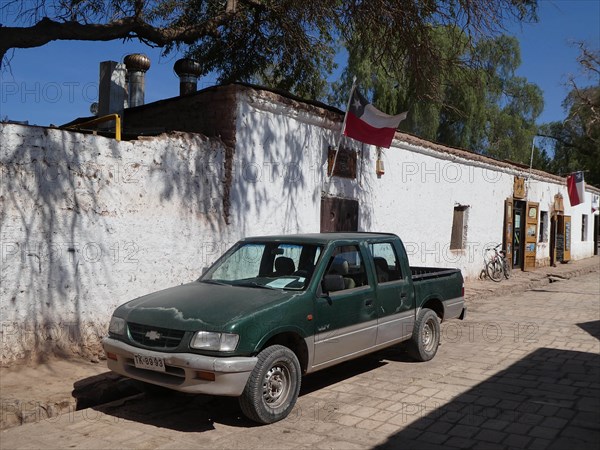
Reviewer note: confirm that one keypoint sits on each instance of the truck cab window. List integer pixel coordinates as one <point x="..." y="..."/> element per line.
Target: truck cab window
<point x="348" y="262"/>
<point x="386" y="262"/>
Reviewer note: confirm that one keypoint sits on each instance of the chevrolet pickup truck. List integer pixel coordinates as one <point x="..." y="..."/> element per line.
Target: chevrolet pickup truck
<point x="274" y="309"/>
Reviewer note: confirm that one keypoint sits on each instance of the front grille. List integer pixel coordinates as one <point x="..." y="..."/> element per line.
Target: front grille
<point x="154" y="337"/>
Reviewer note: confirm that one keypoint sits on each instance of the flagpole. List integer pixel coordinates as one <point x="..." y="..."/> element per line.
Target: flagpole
<point x="339" y="140"/>
<point x="345" y="119"/>
<point x="530" y="167"/>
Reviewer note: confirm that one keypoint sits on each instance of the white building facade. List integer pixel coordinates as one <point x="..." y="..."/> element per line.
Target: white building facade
<point x="88" y="223"/>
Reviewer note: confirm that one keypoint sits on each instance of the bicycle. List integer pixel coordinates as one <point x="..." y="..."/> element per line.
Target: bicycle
<point x="497" y="265"/>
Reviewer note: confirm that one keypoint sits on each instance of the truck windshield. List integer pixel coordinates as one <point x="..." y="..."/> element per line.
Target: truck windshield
<point x="270" y="265"/>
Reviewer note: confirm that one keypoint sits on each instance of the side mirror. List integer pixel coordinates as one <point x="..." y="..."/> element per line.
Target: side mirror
<point x="332" y="283"/>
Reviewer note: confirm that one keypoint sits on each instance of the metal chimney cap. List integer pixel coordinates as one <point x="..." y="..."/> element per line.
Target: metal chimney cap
<point x="187" y="66"/>
<point x="137" y="62"/>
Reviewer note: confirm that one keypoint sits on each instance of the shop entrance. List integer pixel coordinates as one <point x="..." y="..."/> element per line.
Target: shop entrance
<point x="563" y="239"/>
<point x="517" y="237"/>
<point x="596" y="234"/>
<point x="520" y="233"/>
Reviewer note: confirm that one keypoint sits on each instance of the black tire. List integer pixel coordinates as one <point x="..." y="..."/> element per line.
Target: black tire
<point x="273" y="387"/>
<point x="426" y="336"/>
<point x="495" y="271"/>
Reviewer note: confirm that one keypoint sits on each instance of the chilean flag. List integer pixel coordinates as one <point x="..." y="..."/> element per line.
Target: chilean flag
<point x="576" y="188"/>
<point x="367" y="124"/>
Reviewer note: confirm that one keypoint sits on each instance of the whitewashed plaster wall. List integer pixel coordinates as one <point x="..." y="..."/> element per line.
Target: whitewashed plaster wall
<point x="280" y="176"/>
<point x="88" y="223"/>
<point x="278" y="167"/>
<point x="416" y="197"/>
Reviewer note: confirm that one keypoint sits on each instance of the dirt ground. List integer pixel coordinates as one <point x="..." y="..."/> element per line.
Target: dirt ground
<point x="35" y="392"/>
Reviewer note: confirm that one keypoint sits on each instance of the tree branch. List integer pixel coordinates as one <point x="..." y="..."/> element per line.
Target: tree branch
<point x="47" y="30"/>
<point x="562" y="141"/>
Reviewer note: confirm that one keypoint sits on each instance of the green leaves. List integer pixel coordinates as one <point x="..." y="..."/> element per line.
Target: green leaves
<point x="576" y="141"/>
<point x="467" y="94"/>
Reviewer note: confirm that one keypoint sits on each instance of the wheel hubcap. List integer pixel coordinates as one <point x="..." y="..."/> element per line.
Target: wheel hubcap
<point x="428" y="336"/>
<point x="276" y="385"/>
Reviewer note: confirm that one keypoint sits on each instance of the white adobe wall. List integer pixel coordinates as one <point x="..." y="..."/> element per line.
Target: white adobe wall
<point x="279" y="163"/>
<point x="281" y="173"/>
<point x="580" y="248"/>
<point x="416" y="199"/>
<point x="88" y="223"/>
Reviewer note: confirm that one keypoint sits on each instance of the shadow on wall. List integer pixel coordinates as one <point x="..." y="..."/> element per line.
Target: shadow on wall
<point x="270" y="184"/>
<point x="280" y="167"/>
<point x="88" y="223"/>
<point x="546" y="399"/>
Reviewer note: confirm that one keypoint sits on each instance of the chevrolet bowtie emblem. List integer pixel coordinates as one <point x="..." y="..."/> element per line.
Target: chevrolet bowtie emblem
<point x="153" y="335"/>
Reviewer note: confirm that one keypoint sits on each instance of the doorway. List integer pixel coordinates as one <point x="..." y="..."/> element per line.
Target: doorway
<point x="596" y="234"/>
<point x="563" y="239"/>
<point x="518" y="243"/>
<point x="338" y="214"/>
<point x="553" y="226"/>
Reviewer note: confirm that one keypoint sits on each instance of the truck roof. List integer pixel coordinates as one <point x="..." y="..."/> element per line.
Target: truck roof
<point x="321" y="238"/>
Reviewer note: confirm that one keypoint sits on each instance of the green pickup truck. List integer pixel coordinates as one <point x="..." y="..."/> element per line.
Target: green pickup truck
<point x="275" y="308"/>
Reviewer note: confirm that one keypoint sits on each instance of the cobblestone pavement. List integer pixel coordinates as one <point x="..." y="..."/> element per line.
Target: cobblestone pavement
<point x="523" y="371"/>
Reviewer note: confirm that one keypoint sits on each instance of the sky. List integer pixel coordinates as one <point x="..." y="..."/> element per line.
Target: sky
<point x="58" y="82"/>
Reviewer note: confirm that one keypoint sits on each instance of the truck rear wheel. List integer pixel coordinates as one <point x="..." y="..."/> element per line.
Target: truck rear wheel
<point x="426" y="336"/>
<point x="273" y="387"/>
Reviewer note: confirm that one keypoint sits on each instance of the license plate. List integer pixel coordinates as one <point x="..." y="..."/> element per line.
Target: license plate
<point x="149" y="362"/>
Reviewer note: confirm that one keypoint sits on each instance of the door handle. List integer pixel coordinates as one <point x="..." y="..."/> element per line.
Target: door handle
<point x="403" y="295"/>
<point x="369" y="302"/>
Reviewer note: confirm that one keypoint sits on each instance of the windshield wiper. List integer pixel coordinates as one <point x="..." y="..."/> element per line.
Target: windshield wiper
<point x="220" y="283"/>
<point x="252" y="284"/>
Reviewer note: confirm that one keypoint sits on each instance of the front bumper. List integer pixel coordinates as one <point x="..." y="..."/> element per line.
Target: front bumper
<point x="231" y="373"/>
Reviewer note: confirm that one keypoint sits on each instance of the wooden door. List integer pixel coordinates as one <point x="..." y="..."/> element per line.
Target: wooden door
<point x="553" y="228"/>
<point x="563" y="239"/>
<point x="596" y="234"/>
<point x="560" y="238"/>
<point x="518" y="242"/>
<point x="338" y="214"/>
<point x="531" y="232"/>
<point x="567" y="228"/>
<point x="508" y="230"/>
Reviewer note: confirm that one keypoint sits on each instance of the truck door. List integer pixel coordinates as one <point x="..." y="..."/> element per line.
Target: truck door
<point x="395" y="295"/>
<point x="345" y="320"/>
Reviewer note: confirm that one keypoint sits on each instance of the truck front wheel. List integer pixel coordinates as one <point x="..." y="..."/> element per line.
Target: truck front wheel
<point x="273" y="387"/>
<point x="426" y="336"/>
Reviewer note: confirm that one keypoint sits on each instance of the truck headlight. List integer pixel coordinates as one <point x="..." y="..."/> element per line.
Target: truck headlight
<point x="117" y="326"/>
<point x="208" y="340"/>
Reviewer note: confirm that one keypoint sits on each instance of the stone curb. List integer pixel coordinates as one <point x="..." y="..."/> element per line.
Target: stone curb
<point x="539" y="279"/>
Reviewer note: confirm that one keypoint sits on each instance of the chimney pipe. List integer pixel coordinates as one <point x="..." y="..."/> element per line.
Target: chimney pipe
<point x="111" y="88"/>
<point x="188" y="72"/>
<point x="137" y="64"/>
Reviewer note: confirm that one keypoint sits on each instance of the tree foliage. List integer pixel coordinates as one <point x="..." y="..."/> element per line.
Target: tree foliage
<point x="471" y="98"/>
<point x="576" y="140"/>
<point x="288" y="44"/>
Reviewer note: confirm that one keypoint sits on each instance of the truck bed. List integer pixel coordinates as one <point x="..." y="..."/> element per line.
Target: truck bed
<point x="427" y="273"/>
